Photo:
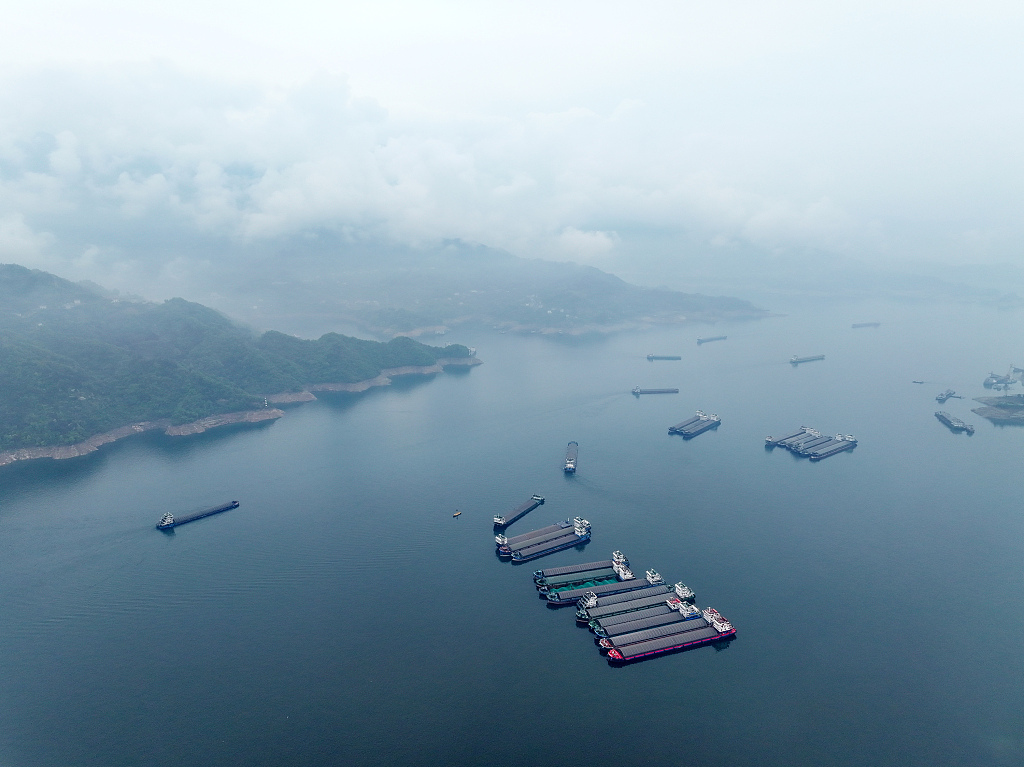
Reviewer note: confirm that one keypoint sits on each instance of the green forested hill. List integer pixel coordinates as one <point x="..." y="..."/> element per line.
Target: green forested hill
<point x="75" y="362"/>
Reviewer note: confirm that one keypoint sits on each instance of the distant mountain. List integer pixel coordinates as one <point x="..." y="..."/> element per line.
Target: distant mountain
<point x="76" y="361"/>
<point x="393" y="291"/>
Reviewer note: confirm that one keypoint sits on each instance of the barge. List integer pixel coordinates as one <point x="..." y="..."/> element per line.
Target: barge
<point x="652" y="357"/>
<point x="571" y="453"/>
<point x="679" y="625"/>
<point x="709" y="339"/>
<point x="617" y="573"/>
<point x="677" y="611"/>
<point x="954" y="423"/>
<point x="698" y="424"/>
<point x="548" y="540"/>
<point x="638" y="391"/>
<point x="809" y="443"/>
<point x="168" y="520"/>
<point x="617" y="556"/>
<point x="504" y="520"/>
<point x="719" y="630"/>
<point x="839" y="444"/>
<point x="578" y="580"/>
<point x="628" y="583"/>
<point x="794" y="360"/>
<point x="593" y="607"/>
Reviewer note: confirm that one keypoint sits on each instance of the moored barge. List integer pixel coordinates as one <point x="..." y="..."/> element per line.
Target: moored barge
<point x="719" y="630"/>
<point x="678" y="612"/>
<point x="954" y="423"/>
<point x="698" y="424"/>
<point x="812" y="444"/>
<point x="617" y="556"/>
<point x="628" y="582"/>
<point x="168" y="520"/>
<point x="571" y="453"/>
<point x="504" y="520"/>
<point x="594" y="607"/>
<point x="548" y="540"/>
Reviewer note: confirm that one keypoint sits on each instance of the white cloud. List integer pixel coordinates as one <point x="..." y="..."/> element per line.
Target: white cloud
<point x="606" y="136"/>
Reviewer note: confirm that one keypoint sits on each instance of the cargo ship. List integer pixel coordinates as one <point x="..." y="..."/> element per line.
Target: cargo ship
<point x="794" y="360"/>
<point x="717" y="629"/>
<point x="504" y="520"/>
<point x="558" y="585"/>
<point x="571" y="453"/>
<point x="865" y="325"/>
<point x="838" y="444"/>
<point x="675" y="611"/>
<point x="709" y="339"/>
<point x="547" y="540"/>
<point x="540" y="575"/>
<point x="593" y="607"/>
<point x="592" y="574"/>
<point x="652" y="628"/>
<point x="652" y="357"/>
<point x="628" y="582"/>
<point x="954" y="423"/>
<point x="809" y="443"/>
<point x="168" y="520"/>
<point x="638" y="391"/>
<point x="698" y="424"/>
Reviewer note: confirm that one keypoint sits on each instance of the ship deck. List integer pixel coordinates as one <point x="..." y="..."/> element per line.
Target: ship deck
<point x="620" y="603"/>
<point x="632" y="627"/>
<point x="574" y="595"/>
<point x="669" y="643"/>
<point x="519" y="540"/>
<point x="569" y="569"/>
<point x="657" y="632"/>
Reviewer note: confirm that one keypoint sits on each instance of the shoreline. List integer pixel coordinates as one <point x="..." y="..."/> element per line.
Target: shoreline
<point x="95" y="442"/>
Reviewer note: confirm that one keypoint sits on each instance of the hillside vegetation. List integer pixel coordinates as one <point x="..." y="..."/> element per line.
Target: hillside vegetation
<point x="75" y="361"/>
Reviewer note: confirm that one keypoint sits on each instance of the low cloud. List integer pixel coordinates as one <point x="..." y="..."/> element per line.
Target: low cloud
<point x="143" y="174"/>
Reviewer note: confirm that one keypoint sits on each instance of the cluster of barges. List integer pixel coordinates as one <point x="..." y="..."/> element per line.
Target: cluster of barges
<point x="632" y="618"/>
<point x="698" y="424"/>
<point x="812" y="444"/>
<point x="546" y="540"/>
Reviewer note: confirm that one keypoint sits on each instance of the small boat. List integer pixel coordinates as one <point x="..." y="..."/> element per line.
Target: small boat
<point x="457" y="512"/>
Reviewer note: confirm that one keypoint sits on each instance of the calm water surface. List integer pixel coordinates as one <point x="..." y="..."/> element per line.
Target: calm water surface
<point x="341" y="615"/>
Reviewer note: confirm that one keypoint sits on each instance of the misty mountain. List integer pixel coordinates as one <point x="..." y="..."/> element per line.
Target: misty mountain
<point x="76" y="361"/>
<point x="395" y="290"/>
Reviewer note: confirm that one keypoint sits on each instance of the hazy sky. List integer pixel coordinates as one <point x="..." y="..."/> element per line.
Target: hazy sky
<point x="139" y="139"/>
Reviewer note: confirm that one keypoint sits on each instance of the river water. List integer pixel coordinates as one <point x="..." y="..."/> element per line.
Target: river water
<point x="341" y="615"/>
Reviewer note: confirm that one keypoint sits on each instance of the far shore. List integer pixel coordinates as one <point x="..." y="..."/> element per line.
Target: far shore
<point x="93" y="443"/>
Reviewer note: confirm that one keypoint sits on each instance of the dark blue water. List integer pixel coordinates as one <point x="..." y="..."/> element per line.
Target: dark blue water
<point x="341" y="615"/>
